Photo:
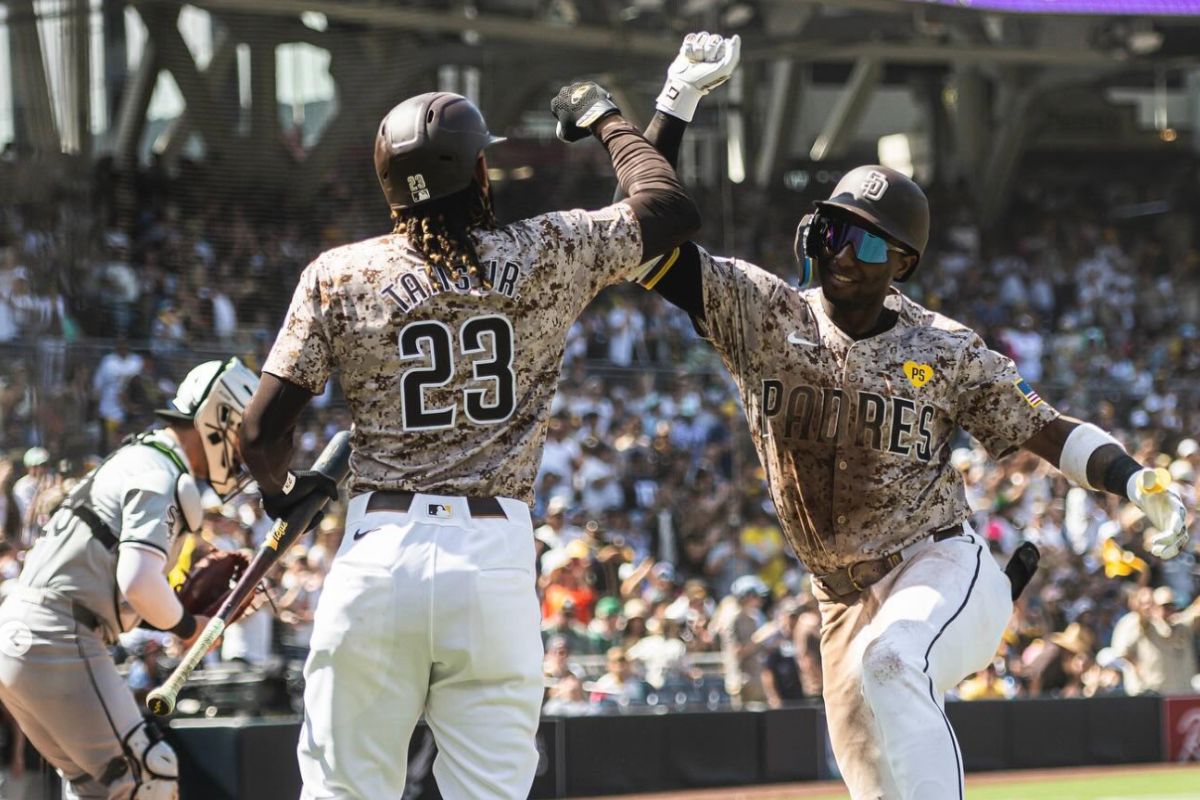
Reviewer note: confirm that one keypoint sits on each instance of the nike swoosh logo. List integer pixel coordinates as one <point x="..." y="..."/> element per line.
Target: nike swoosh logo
<point x="795" y="338"/>
<point x="359" y="534"/>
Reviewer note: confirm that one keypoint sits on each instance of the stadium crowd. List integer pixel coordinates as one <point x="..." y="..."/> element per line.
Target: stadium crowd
<point x="664" y="577"/>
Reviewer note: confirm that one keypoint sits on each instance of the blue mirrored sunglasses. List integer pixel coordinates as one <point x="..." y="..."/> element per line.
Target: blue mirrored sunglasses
<point x="833" y="235"/>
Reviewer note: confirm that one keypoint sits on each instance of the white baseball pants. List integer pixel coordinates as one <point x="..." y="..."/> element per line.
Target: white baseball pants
<point x="434" y="612"/>
<point x="890" y="656"/>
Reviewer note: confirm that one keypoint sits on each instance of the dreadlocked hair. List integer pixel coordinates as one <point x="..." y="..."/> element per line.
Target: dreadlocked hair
<point x="440" y="229"/>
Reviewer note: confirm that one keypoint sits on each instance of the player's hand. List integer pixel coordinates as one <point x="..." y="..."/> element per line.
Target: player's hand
<point x="299" y="486"/>
<point x="578" y="107"/>
<point x="1149" y="489"/>
<point x="705" y="61"/>
<point x="201" y="624"/>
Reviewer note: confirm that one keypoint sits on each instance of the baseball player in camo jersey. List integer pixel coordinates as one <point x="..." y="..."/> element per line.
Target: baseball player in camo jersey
<point x="448" y="338"/>
<point x="854" y="395"/>
<point x="101" y="567"/>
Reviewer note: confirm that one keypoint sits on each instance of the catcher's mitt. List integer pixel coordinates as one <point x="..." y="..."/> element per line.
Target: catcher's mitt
<point x="210" y="580"/>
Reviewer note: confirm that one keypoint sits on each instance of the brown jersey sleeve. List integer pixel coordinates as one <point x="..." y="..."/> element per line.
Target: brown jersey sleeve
<point x="738" y="303"/>
<point x="582" y="252"/>
<point x="301" y="353"/>
<point x="994" y="403"/>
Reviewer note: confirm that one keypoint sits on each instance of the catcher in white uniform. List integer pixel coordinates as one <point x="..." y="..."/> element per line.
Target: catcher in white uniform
<point x="448" y="338"/>
<point x="100" y="568"/>
<point x="854" y="394"/>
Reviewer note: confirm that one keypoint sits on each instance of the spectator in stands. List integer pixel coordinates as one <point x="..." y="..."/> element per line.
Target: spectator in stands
<point x="986" y="685"/>
<point x="661" y="655"/>
<point x="108" y="384"/>
<point x="736" y="626"/>
<point x="557" y="663"/>
<point x="565" y="624"/>
<point x="1158" y="643"/>
<point x="301" y="589"/>
<point x="618" y="685"/>
<point x="781" y="669"/>
<point x="551" y="532"/>
<point x="567" y="699"/>
<point x="1058" y="667"/>
<point x="604" y="631"/>
<point x="25" y="491"/>
<point x="565" y="576"/>
<point x="762" y="543"/>
<point x="636" y="612"/>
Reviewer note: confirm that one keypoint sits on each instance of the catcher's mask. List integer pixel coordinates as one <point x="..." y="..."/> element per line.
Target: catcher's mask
<point x="213" y="397"/>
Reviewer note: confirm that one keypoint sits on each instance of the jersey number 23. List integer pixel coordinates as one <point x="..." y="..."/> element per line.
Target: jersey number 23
<point x="488" y="399"/>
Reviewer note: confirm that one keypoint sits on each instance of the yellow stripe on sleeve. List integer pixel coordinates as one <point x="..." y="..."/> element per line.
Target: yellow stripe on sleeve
<point x="667" y="263"/>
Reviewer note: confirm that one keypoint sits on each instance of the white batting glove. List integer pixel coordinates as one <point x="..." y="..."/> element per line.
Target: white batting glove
<point x="705" y="61"/>
<point x="1149" y="489"/>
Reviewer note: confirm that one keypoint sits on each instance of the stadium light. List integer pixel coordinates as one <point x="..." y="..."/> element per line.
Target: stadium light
<point x="895" y="151"/>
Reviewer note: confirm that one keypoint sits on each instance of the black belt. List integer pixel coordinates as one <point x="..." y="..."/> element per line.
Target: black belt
<point x="479" y="507"/>
<point x="855" y="578"/>
<point x="85" y="617"/>
<point x="50" y="598"/>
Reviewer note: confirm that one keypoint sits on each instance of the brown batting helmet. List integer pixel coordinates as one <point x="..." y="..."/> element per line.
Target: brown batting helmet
<point x="886" y="199"/>
<point x="427" y="147"/>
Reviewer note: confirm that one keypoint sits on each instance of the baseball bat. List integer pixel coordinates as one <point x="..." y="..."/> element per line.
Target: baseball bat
<point x="334" y="461"/>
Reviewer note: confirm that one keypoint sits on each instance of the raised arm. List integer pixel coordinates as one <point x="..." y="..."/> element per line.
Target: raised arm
<point x="705" y="61"/>
<point x="666" y="215"/>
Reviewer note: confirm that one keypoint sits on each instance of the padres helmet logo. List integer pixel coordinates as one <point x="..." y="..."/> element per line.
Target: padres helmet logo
<point x="874" y="185"/>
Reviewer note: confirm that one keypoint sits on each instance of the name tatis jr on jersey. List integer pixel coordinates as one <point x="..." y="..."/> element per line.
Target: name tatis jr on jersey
<point x="414" y="287"/>
<point x="896" y="425"/>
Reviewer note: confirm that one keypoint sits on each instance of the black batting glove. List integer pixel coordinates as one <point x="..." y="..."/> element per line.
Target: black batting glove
<point x="578" y="107"/>
<point x="297" y="487"/>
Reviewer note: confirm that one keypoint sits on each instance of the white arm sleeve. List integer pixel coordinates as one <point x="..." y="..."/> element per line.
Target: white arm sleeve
<point x="140" y="578"/>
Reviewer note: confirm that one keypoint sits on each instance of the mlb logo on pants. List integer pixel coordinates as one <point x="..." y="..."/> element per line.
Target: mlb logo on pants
<point x="440" y="510"/>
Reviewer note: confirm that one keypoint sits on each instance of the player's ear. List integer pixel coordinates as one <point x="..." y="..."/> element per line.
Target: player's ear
<point x="905" y="264"/>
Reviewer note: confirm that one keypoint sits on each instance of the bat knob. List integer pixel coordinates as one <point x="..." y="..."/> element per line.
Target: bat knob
<point x="159" y="703"/>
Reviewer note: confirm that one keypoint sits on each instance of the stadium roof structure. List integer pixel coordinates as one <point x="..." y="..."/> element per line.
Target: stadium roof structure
<point x="985" y="77"/>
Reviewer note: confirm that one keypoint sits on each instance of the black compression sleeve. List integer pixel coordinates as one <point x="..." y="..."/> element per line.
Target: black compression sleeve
<point x="680" y="284"/>
<point x="666" y="134"/>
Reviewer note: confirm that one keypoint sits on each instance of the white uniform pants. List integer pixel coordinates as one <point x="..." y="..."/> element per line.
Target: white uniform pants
<point x="433" y="612"/>
<point x="890" y="656"/>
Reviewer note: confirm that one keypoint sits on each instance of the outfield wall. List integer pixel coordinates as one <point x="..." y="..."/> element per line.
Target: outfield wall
<point x="254" y="758"/>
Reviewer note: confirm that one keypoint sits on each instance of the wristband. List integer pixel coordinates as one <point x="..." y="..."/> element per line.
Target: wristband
<point x="1116" y="477"/>
<point x="1082" y="442"/>
<point x="186" y="627"/>
<point x="678" y="99"/>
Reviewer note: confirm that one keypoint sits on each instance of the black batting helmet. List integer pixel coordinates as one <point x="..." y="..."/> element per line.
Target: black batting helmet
<point x="427" y="147"/>
<point x="887" y="200"/>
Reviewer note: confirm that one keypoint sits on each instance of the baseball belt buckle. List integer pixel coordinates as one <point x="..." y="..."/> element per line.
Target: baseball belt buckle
<point x="850" y="576"/>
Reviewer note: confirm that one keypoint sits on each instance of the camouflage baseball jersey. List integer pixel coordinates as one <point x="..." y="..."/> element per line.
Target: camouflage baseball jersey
<point x="450" y="386"/>
<point x="855" y="436"/>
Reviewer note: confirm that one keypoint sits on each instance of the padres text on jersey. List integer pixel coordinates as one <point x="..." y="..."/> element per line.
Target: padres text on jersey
<point x="855" y="436"/>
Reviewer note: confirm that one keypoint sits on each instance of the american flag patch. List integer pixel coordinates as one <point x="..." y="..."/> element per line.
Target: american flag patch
<point x="1033" y="398"/>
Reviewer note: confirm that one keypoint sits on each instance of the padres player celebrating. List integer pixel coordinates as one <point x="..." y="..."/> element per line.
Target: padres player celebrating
<point x="854" y="395"/>
<point x="101" y="567"/>
<point x="448" y="337"/>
